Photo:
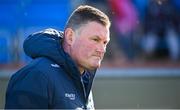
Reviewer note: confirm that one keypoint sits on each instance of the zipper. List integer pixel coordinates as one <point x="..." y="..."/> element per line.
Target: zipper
<point x="84" y="92"/>
<point x="83" y="88"/>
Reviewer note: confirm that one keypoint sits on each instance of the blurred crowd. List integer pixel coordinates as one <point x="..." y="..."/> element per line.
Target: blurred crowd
<point x="141" y="29"/>
<point x="147" y="30"/>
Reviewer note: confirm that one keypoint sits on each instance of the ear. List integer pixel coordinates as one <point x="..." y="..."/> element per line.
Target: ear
<point x="69" y="36"/>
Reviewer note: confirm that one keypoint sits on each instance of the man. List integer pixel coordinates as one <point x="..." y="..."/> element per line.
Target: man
<point x="64" y="64"/>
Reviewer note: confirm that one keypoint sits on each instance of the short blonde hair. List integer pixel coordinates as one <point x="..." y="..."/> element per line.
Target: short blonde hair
<point x="83" y="14"/>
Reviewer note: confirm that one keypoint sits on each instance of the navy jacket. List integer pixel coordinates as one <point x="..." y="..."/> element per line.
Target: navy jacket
<point x="51" y="80"/>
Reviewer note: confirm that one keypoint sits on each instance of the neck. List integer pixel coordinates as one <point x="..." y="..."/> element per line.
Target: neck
<point x="81" y="70"/>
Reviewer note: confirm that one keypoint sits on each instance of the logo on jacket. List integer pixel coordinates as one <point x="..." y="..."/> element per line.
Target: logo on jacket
<point x="55" y="65"/>
<point x="71" y="96"/>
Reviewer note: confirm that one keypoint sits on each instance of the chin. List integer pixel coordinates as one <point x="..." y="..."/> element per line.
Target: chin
<point x="95" y="66"/>
<point x="92" y="68"/>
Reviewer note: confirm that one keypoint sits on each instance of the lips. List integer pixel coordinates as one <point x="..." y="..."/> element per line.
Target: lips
<point x="100" y="57"/>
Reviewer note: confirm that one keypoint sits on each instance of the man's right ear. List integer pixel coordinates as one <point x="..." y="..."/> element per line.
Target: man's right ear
<point x="69" y="36"/>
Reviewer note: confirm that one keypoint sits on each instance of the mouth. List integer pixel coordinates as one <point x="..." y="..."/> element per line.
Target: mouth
<point x="98" y="57"/>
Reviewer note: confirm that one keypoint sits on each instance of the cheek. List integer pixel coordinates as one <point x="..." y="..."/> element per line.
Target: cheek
<point x="85" y="49"/>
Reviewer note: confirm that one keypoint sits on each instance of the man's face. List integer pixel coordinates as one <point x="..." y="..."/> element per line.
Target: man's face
<point x="89" y="45"/>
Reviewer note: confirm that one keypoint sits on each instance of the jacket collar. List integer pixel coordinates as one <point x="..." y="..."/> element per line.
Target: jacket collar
<point x="48" y="43"/>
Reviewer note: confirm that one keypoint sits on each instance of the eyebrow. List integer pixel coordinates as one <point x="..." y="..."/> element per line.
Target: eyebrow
<point x="100" y="38"/>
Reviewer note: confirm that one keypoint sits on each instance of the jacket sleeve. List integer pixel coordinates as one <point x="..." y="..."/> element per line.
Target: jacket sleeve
<point x="27" y="91"/>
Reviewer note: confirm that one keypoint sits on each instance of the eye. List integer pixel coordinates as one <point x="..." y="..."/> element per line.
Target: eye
<point x="105" y="42"/>
<point x="95" y="39"/>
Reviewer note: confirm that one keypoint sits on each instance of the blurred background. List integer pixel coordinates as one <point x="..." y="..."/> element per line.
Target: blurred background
<point x="141" y="68"/>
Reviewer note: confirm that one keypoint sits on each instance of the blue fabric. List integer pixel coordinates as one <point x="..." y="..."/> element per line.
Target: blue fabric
<point x="86" y="79"/>
<point x="51" y="80"/>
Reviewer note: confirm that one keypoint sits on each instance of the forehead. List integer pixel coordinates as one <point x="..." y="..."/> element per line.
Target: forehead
<point x="95" y="29"/>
